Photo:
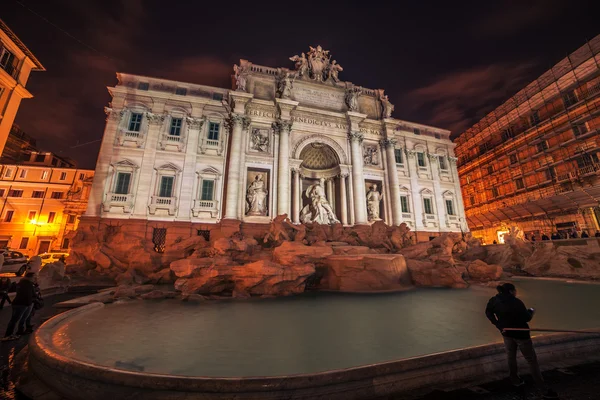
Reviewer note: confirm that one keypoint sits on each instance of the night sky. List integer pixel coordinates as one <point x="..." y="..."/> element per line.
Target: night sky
<point x="445" y="65"/>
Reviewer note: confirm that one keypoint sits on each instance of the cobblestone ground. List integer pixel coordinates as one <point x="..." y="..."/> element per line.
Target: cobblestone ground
<point x="8" y="350"/>
<point x="574" y="383"/>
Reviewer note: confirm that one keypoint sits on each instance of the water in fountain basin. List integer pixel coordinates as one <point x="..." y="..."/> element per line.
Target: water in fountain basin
<point x="308" y="333"/>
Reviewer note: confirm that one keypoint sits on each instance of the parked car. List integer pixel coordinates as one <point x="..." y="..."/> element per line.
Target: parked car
<point x="48" y="258"/>
<point x="14" y="262"/>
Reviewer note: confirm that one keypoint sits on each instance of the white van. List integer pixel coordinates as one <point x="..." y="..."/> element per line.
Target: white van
<point x="48" y="258"/>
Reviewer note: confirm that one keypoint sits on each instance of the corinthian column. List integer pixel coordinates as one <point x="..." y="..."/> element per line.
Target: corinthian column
<point x="296" y="199"/>
<point x="233" y="180"/>
<point x="343" y="199"/>
<point x="358" y="180"/>
<point x="392" y="173"/>
<point x="283" y="128"/>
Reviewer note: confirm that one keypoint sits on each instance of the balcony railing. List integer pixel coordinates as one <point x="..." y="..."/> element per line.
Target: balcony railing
<point x="587" y="170"/>
<point x="206" y="206"/>
<point x="131" y="136"/>
<point x="211" y="142"/>
<point x="163" y="203"/>
<point x="564" y="177"/>
<point x="407" y="216"/>
<point x="429" y="216"/>
<point x="118" y="200"/>
<point x="172" y="140"/>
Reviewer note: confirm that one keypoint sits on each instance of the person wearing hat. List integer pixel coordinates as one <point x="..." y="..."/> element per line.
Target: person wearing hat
<point x="505" y="310"/>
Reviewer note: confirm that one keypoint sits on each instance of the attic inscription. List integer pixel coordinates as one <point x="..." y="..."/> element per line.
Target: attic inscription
<point x="319" y="98"/>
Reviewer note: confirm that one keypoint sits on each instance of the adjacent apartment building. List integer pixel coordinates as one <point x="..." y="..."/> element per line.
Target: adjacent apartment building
<point x="40" y="203"/>
<point x="16" y="63"/>
<point x="533" y="162"/>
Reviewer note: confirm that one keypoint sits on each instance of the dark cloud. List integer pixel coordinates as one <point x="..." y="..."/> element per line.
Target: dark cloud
<point x="457" y="100"/>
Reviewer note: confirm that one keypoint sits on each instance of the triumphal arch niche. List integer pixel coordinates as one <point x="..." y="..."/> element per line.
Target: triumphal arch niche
<point x="316" y="144"/>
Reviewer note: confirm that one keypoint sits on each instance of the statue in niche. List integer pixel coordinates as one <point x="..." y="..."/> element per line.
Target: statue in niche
<point x="386" y="105"/>
<point x="301" y="65"/>
<point x="352" y="97"/>
<point x="373" y="200"/>
<point x="241" y="78"/>
<point x="285" y="83"/>
<point x="370" y="156"/>
<point x="259" y="141"/>
<point x="333" y="71"/>
<point x="256" y="197"/>
<point x="319" y="210"/>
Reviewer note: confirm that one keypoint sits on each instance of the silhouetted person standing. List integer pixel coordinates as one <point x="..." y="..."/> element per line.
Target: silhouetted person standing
<point x="505" y="310"/>
<point x="21" y="305"/>
<point x="584" y="235"/>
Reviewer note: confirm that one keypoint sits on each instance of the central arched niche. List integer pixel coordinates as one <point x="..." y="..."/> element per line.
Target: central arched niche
<point x="318" y="156"/>
<point x="319" y="160"/>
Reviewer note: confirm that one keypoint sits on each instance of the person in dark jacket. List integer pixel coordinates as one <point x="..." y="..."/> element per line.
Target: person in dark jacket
<point x="584" y="235"/>
<point x="505" y="310"/>
<point x="4" y="288"/>
<point x="38" y="303"/>
<point x="21" y="305"/>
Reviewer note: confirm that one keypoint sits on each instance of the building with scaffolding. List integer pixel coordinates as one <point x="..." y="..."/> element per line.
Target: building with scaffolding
<point x="533" y="161"/>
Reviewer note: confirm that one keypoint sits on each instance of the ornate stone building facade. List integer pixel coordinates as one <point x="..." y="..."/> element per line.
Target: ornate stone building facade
<point x="283" y="141"/>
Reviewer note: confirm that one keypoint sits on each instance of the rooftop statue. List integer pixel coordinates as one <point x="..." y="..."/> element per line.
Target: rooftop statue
<point x="317" y="65"/>
<point x="241" y="78"/>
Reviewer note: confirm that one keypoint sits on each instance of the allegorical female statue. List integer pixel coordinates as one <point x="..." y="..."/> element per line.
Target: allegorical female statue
<point x="373" y="200"/>
<point x="256" y="197"/>
<point x="319" y="210"/>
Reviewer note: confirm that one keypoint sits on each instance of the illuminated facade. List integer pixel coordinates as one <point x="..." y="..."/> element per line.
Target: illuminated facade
<point x="297" y="142"/>
<point x="41" y="204"/>
<point x="16" y="63"/>
<point x="533" y="162"/>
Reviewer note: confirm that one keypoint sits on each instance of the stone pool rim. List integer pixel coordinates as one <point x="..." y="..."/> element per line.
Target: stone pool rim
<point x="68" y="376"/>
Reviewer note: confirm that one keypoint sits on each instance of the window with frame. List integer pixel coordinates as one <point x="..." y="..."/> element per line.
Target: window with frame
<point x="24" y="243"/>
<point x="217" y="96"/>
<point x="398" y="156"/>
<point x="580" y="129"/>
<point x="40" y="157"/>
<point x="54" y="162"/>
<point x="443" y="164"/>
<point x="404" y="204"/>
<point x="31" y="215"/>
<point x="82" y="176"/>
<point x="513" y="158"/>
<point x="508" y="133"/>
<point x="175" y="129"/>
<point x="135" y="122"/>
<point x="15" y="193"/>
<point x="416" y="131"/>
<point x="586" y="160"/>
<point x="569" y="98"/>
<point x="2" y="191"/>
<point x="519" y="183"/>
<point x="213" y="130"/>
<point x="51" y="216"/>
<point x="428" y="205"/>
<point x="63" y="176"/>
<point x="490" y="169"/>
<point x="483" y="148"/>
<point x="450" y="207"/>
<point x="143" y="86"/>
<point x="437" y="136"/>
<point x="71" y="218"/>
<point x="550" y="174"/>
<point x="9" y="215"/>
<point x="494" y="192"/>
<point x="472" y="200"/>
<point x="44" y="174"/>
<point x="122" y="183"/>
<point x="542" y="146"/>
<point x="166" y="186"/>
<point x="181" y="91"/>
<point x="534" y="118"/>
<point x="56" y="195"/>
<point x="8" y="61"/>
<point x="23" y="174"/>
<point x="421" y="159"/>
<point x="37" y="194"/>
<point x="207" y="190"/>
<point x="65" y="243"/>
<point x="8" y="172"/>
